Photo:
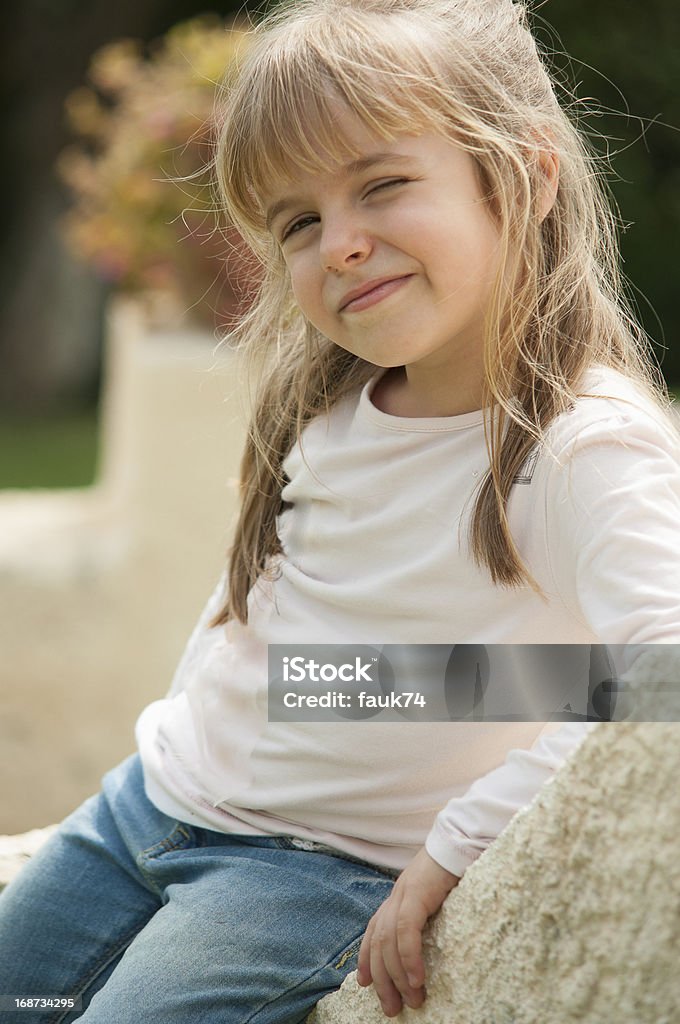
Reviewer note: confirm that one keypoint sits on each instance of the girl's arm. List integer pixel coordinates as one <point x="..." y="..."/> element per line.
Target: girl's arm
<point x="612" y="539"/>
<point x="610" y="490"/>
<point x="468" y="824"/>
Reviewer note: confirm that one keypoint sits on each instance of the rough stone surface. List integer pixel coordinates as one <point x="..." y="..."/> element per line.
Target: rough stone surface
<point x="573" y="913"/>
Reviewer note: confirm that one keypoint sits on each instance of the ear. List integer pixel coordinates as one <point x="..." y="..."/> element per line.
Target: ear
<point x="549" y="167"/>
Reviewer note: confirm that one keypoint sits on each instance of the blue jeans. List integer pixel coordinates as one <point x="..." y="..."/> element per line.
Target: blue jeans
<point x="144" y="918"/>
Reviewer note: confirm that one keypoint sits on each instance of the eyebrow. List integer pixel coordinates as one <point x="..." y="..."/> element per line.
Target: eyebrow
<point x="354" y="167"/>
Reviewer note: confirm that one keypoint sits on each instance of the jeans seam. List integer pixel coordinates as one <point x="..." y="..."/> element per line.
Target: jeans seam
<point x="99" y="965"/>
<point x="393" y="873"/>
<point x="305" y="981"/>
<point x="349" y="952"/>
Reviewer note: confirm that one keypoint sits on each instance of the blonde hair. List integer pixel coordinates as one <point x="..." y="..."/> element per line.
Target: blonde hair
<point x="471" y="71"/>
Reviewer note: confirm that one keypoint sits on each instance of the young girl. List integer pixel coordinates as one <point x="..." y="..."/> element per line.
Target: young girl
<point x="456" y="439"/>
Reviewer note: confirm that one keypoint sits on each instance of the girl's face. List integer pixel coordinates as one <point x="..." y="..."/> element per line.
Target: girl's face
<point x="409" y="213"/>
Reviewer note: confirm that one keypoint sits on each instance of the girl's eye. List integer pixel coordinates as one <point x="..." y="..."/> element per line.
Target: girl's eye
<point x="294" y="226"/>
<point x="303" y="221"/>
<point x="386" y="184"/>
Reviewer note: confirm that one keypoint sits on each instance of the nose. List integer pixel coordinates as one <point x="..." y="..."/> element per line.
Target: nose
<point x="344" y="242"/>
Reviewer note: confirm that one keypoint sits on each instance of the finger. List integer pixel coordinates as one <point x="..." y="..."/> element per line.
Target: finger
<point x="364" y="976"/>
<point x="409" y="942"/>
<point x="391" y="956"/>
<point x="412" y="993"/>
<point x="390" y="919"/>
<point x="386" y="990"/>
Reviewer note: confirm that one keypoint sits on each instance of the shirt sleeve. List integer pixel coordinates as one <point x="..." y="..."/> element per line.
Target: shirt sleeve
<point x="612" y="511"/>
<point x="613" y="527"/>
<point x="468" y="824"/>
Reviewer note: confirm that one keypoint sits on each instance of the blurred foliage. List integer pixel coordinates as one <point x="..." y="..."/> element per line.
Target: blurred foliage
<point x="55" y="451"/>
<point x="145" y="215"/>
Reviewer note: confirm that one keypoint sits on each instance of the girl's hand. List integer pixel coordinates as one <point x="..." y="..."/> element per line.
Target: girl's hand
<point x="391" y="950"/>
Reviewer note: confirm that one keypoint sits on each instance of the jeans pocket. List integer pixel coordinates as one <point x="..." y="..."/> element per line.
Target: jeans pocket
<point x="182" y="837"/>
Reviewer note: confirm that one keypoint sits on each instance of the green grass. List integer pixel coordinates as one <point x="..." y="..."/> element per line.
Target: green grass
<point x="59" y="450"/>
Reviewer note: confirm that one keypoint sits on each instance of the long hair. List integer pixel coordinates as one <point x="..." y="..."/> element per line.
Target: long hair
<point x="471" y="71"/>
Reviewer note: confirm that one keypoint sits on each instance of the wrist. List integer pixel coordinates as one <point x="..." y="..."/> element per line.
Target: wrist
<point x="447" y="879"/>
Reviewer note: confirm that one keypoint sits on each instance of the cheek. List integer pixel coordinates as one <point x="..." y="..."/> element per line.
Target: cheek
<point x="301" y="284"/>
<point x="462" y="238"/>
<point x="306" y="286"/>
<point x="479" y="248"/>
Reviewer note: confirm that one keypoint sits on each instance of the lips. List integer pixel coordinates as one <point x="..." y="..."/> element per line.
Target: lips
<point x="372" y="286"/>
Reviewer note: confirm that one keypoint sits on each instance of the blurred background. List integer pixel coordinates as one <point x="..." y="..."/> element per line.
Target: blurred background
<point x="120" y="423"/>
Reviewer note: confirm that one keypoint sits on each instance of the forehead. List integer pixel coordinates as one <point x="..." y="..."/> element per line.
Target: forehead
<point x="321" y="145"/>
<point x="324" y="138"/>
<point x="405" y="152"/>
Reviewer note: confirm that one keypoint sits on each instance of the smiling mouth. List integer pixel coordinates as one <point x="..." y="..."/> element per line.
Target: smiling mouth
<point x="376" y="294"/>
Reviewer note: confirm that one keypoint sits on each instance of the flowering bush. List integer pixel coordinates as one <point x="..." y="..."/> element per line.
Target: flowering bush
<point x="145" y="215"/>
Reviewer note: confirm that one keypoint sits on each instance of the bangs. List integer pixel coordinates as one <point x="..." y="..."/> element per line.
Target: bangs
<point x="284" y="112"/>
<point x="306" y="133"/>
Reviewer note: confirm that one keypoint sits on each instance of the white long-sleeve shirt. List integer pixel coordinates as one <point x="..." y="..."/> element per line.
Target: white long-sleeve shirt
<point x="375" y="551"/>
